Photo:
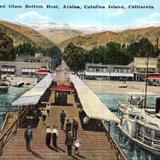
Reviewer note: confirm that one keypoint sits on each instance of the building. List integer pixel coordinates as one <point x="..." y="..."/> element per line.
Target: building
<point x="114" y="72"/>
<point x="134" y="71"/>
<point x="25" y="66"/>
<point x="140" y="67"/>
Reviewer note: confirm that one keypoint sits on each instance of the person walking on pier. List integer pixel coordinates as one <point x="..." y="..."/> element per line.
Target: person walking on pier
<point x="28" y="137"/>
<point x="48" y="136"/>
<point x="48" y="108"/>
<point x="44" y="115"/>
<point x="54" y="136"/>
<point x="68" y="126"/>
<point x="74" y="128"/>
<point x="69" y="143"/>
<point x="62" y="118"/>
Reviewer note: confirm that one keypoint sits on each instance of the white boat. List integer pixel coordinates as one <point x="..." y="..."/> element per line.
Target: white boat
<point x="143" y="128"/>
<point x="141" y="125"/>
<point x="19" y="84"/>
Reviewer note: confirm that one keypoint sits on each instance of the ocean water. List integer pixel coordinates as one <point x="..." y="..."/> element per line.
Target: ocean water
<point x="132" y="150"/>
<point x="7" y="98"/>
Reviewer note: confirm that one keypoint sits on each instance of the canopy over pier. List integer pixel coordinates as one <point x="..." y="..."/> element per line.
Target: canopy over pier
<point x="33" y="96"/>
<point x="91" y="104"/>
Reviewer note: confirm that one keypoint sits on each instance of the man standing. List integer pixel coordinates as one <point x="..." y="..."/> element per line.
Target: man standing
<point x="69" y="143"/>
<point x="74" y="128"/>
<point x="28" y="137"/>
<point x="62" y="118"/>
<point x="68" y="126"/>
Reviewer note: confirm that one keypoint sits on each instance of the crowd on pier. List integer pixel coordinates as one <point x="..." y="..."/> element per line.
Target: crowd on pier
<point x="69" y="127"/>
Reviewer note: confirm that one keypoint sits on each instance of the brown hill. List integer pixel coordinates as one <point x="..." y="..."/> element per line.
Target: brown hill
<point x="21" y="33"/>
<point x="123" y="37"/>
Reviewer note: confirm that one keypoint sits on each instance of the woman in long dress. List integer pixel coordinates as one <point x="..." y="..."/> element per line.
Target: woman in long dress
<point x="48" y="136"/>
<point x="54" y="136"/>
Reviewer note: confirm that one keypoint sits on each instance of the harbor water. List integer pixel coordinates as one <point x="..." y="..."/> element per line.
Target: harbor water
<point x="131" y="150"/>
<point x="7" y="98"/>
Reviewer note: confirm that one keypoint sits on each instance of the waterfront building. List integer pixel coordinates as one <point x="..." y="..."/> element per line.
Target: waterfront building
<point x="113" y="72"/>
<point x="140" y="67"/>
<point x="25" y="66"/>
<point x="134" y="71"/>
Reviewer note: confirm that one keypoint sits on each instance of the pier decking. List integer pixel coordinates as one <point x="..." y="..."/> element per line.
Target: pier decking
<point x="94" y="144"/>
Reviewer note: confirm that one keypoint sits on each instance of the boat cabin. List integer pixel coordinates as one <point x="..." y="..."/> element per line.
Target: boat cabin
<point x="148" y="133"/>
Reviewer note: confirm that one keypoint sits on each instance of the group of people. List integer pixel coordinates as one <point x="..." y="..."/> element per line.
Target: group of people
<point x="71" y="139"/>
<point x="51" y="136"/>
<point x="71" y="129"/>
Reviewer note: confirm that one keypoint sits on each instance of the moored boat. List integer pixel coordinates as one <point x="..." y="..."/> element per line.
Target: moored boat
<point x="143" y="128"/>
<point x="3" y="88"/>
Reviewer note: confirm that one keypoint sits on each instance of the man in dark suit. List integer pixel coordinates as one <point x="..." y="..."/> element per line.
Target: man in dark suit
<point x="69" y="143"/>
<point x="74" y="128"/>
<point x="68" y="126"/>
<point x="62" y="118"/>
<point x="28" y="137"/>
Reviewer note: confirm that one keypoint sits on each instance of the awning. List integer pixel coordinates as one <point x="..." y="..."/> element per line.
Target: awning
<point x="33" y="96"/>
<point x="153" y="77"/>
<point x="109" y="74"/>
<point x="102" y="74"/>
<point x="42" y="71"/>
<point x="7" y="69"/>
<point x="26" y="101"/>
<point x="120" y="74"/>
<point x="62" y="87"/>
<point x="28" y="70"/>
<point x="91" y="104"/>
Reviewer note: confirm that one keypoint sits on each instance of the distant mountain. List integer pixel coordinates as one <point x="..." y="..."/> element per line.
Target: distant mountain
<point x="123" y="37"/>
<point x="21" y="33"/>
<point x="59" y="35"/>
<point x="56" y="32"/>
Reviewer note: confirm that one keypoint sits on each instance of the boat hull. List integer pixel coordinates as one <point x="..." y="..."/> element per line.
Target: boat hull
<point x="148" y="148"/>
<point x="3" y="89"/>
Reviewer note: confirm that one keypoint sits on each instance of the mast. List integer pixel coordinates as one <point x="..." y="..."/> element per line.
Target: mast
<point x="157" y="46"/>
<point x="146" y="82"/>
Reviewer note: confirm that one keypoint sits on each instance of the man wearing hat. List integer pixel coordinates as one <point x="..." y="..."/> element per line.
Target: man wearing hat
<point x="28" y="137"/>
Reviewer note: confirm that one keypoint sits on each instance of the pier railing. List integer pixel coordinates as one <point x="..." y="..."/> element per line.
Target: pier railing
<point x="118" y="151"/>
<point x="11" y="131"/>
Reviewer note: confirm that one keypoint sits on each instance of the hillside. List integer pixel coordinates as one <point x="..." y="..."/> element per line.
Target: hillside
<point x="20" y="33"/>
<point x="59" y="35"/>
<point x="124" y="37"/>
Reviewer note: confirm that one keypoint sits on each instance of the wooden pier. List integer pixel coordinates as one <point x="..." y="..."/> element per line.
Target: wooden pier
<point x="95" y="145"/>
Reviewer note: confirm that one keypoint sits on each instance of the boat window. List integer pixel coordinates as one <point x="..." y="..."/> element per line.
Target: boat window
<point x="132" y="116"/>
<point x="157" y="135"/>
<point x="141" y="130"/>
<point x="148" y="132"/>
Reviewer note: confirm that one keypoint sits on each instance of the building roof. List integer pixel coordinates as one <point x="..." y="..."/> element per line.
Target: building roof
<point x="91" y="104"/>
